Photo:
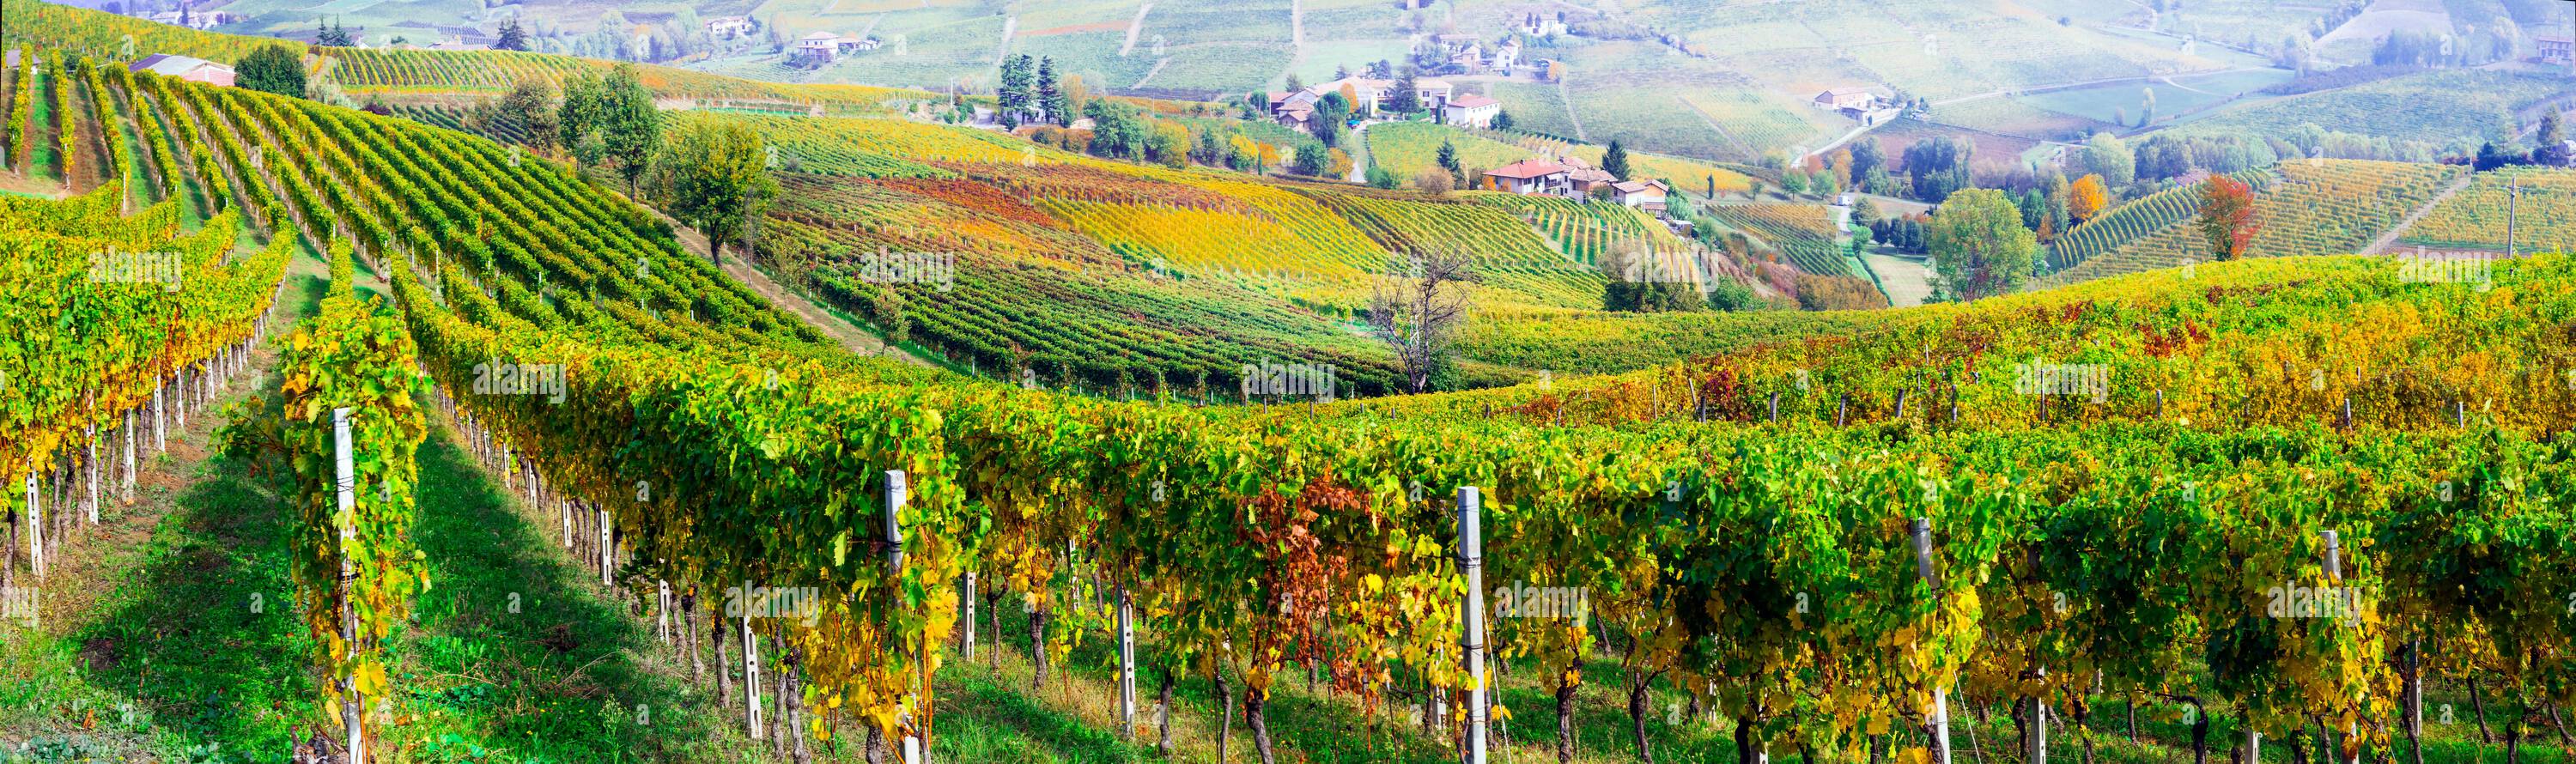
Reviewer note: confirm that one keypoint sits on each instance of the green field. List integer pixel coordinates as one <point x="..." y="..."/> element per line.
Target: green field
<point x="2448" y="108"/>
<point x="2173" y="96"/>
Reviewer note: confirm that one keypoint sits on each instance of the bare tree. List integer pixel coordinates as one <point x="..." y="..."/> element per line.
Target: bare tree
<point x="1417" y="307"/>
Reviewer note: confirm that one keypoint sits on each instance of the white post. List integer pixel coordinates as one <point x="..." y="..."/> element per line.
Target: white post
<point x="566" y="504"/>
<point x="750" y="668"/>
<point x="93" y="474"/>
<point x="1471" y="561"/>
<point x="347" y="480"/>
<point x="607" y="555"/>
<point x="160" y="431"/>
<point x="1940" y="694"/>
<point x="179" y="400"/>
<point x="2253" y="744"/>
<point x="898" y="494"/>
<point x="2038" y="753"/>
<point x="1126" y="665"/>
<point x="130" y="430"/>
<point x="35" y="525"/>
<point x="662" y="609"/>
<point x="970" y="615"/>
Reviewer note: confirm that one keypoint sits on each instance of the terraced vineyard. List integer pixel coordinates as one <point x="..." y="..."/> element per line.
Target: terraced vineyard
<point x="1584" y="230"/>
<point x="1803" y="232"/>
<point x="2544" y="220"/>
<point x="2308" y="207"/>
<point x="2135" y="220"/>
<point x="433" y="72"/>
<point x="1515" y="264"/>
<point x="878" y="148"/>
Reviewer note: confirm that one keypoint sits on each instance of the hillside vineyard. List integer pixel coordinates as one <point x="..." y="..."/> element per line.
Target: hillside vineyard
<point x="707" y="419"/>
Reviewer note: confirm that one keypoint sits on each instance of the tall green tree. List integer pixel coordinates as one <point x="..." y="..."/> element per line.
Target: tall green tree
<point x="1405" y="100"/>
<point x="1615" y="161"/>
<point x="1330" y="112"/>
<point x="1051" y="95"/>
<point x="612" y="121"/>
<point x="332" y="34"/>
<point x="2551" y="143"/>
<point x="2108" y="156"/>
<point x="1979" y="245"/>
<point x="1448" y="158"/>
<point x="716" y="179"/>
<point x="271" y="69"/>
<point x="1019" y="81"/>
<point x="513" y="36"/>
<point x="1502" y="120"/>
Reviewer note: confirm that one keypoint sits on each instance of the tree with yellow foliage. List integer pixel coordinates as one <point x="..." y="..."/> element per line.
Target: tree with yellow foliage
<point x="2087" y="198"/>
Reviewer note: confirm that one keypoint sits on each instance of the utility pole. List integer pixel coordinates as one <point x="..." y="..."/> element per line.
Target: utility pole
<point x="2512" y="199"/>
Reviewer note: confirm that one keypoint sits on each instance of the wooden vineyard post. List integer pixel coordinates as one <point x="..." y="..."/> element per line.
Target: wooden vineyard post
<point x="898" y="492"/>
<point x="1471" y="563"/>
<point x="1940" y="694"/>
<point x="346" y="481"/>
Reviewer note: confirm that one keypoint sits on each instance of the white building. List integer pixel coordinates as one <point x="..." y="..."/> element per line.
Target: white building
<point x="1471" y="111"/>
<point x="729" y="27"/>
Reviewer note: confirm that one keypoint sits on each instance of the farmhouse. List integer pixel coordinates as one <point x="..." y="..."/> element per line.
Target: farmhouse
<point x="1471" y="111"/>
<point x="1582" y="178"/>
<point x="1646" y="195"/>
<point x="183" y="67"/>
<point x="1432" y="94"/>
<point x="820" y="46"/>
<point x="1531" y="176"/>
<point x="1468" y="60"/>
<point x="728" y="27"/>
<point x="1297" y="116"/>
<point x="1839" y="99"/>
<point x="2555" y="48"/>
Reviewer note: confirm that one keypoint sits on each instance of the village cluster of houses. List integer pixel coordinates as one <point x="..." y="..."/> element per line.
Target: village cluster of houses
<point x="1857" y="103"/>
<point x="827" y="47"/>
<point x="1467" y="55"/>
<point x="1369" y="96"/>
<point x="187" y="17"/>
